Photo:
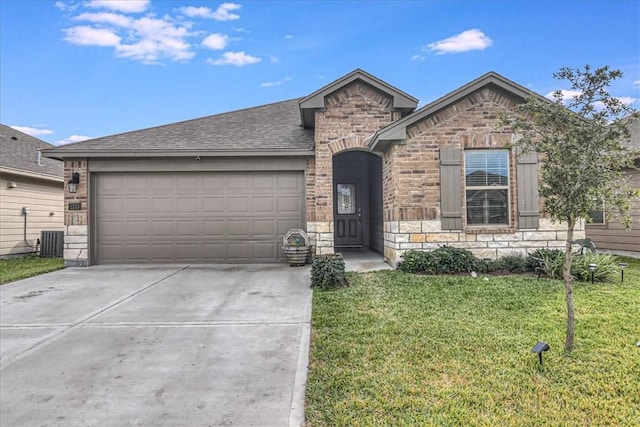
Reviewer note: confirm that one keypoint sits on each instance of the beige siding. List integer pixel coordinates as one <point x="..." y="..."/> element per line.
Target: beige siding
<point x="45" y="202"/>
<point x="613" y="235"/>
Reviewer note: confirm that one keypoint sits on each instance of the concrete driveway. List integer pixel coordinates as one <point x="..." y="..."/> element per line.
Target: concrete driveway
<point x="155" y="345"/>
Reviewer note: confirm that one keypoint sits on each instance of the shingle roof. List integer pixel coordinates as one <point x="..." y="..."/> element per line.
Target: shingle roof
<point x="272" y="127"/>
<point x="18" y="151"/>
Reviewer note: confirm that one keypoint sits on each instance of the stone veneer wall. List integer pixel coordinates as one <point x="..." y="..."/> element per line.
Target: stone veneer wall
<point x="401" y="236"/>
<point x="351" y="115"/>
<point x="411" y="184"/>
<point x="76" y="235"/>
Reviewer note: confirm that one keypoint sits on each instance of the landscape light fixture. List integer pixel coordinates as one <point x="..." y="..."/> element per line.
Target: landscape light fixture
<point x="592" y="269"/>
<point x="73" y="182"/>
<point x="622" y="266"/>
<point x="539" y="348"/>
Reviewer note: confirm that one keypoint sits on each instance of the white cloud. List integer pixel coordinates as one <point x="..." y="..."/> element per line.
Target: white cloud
<point x="636" y="84"/>
<point x="32" y="131"/>
<point x="126" y="6"/>
<point x="66" y="7"/>
<point x="467" y="40"/>
<point x="288" y="37"/>
<point x="215" y="41"/>
<point x="234" y="58"/>
<point x="90" y="36"/>
<point x="145" y="39"/>
<point x="627" y="100"/>
<point x="418" y="58"/>
<point x="276" y="83"/>
<point x="73" y="138"/>
<point x="567" y="95"/>
<point x="222" y="13"/>
<point x="105" y="18"/>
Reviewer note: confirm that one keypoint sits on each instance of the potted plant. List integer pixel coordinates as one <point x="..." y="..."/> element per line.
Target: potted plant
<point x="295" y="244"/>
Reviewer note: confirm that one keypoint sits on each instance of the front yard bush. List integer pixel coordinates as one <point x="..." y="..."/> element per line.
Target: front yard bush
<point x="328" y="272"/>
<point x="515" y="263"/>
<point x="607" y="267"/>
<point x="445" y="259"/>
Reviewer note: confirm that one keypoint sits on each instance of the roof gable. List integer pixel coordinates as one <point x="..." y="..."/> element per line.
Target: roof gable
<point x="18" y="153"/>
<point x="398" y="130"/>
<point x="401" y="101"/>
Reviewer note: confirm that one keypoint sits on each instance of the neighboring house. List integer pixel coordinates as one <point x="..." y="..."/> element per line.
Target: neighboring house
<point x="31" y="181"/>
<point x="354" y="163"/>
<point x="608" y="233"/>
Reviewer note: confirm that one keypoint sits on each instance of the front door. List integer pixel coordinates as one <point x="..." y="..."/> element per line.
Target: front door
<point x="348" y="215"/>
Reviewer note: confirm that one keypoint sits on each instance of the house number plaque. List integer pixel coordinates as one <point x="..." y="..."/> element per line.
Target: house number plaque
<point x="75" y="206"/>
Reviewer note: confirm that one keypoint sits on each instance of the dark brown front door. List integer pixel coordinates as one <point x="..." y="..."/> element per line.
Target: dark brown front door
<point x="348" y="215"/>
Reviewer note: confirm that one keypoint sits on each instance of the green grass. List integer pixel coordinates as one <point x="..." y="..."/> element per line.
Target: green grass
<point x="397" y="349"/>
<point x="21" y="268"/>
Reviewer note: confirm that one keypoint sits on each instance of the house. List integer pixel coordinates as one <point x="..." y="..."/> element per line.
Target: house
<point x="607" y="233"/>
<point x="354" y="163"/>
<point x="31" y="192"/>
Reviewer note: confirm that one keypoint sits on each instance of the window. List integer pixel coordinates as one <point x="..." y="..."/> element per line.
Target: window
<point x="346" y="199"/>
<point x="487" y="187"/>
<point x="597" y="216"/>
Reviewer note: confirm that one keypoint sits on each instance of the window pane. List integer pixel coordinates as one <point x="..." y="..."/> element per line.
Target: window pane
<point x="485" y="168"/>
<point x="346" y="199"/>
<point x="487" y="207"/>
<point x="598" y="217"/>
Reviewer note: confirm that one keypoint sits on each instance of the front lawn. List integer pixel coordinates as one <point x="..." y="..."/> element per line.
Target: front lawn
<point x="21" y="268"/>
<point x="399" y="349"/>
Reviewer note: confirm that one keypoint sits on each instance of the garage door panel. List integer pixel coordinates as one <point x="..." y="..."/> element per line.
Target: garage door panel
<point x="136" y="184"/>
<point x="285" y="225"/>
<point x="238" y="205"/>
<point x="215" y="217"/>
<point x="164" y="205"/>
<point x="187" y="204"/>
<point x="288" y="204"/>
<point x="264" y="251"/>
<point x="212" y="205"/>
<point x="238" y="228"/>
<point x="263" y="228"/>
<point x="213" y="228"/>
<point x="135" y="229"/>
<point x="162" y="229"/>
<point x="238" y="251"/>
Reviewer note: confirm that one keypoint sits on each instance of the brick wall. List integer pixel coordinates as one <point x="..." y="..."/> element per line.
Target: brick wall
<point x="76" y="236"/>
<point x="411" y="184"/>
<point x="351" y="115"/>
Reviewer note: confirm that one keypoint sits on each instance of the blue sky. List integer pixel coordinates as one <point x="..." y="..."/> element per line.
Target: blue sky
<point x="74" y="69"/>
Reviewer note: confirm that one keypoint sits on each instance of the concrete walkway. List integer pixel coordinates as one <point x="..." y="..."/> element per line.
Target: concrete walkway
<point x="156" y="345"/>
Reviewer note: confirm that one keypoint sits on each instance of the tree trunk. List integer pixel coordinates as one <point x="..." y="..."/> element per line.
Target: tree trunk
<point x="568" y="286"/>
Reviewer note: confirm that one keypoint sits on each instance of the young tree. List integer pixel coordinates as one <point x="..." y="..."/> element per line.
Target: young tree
<point x="580" y="138"/>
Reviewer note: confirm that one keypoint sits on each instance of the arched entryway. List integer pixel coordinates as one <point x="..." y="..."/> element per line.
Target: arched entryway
<point x="357" y="201"/>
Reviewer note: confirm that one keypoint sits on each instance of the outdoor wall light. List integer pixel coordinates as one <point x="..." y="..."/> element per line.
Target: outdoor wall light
<point x="73" y="182"/>
<point x="592" y="269"/>
<point x="539" y="348"/>
<point x="622" y="266"/>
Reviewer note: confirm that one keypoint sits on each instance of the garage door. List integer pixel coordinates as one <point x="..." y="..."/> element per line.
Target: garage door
<point x="203" y="217"/>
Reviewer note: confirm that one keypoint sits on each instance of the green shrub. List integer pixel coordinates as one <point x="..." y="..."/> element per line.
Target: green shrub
<point x="515" y="263"/>
<point x="417" y="262"/>
<point x="456" y="260"/>
<point x="445" y="259"/>
<point x="543" y="254"/>
<point x="328" y="272"/>
<point x="607" y="267"/>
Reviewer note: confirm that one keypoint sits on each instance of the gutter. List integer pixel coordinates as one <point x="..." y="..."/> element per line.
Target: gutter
<point x="61" y="154"/>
